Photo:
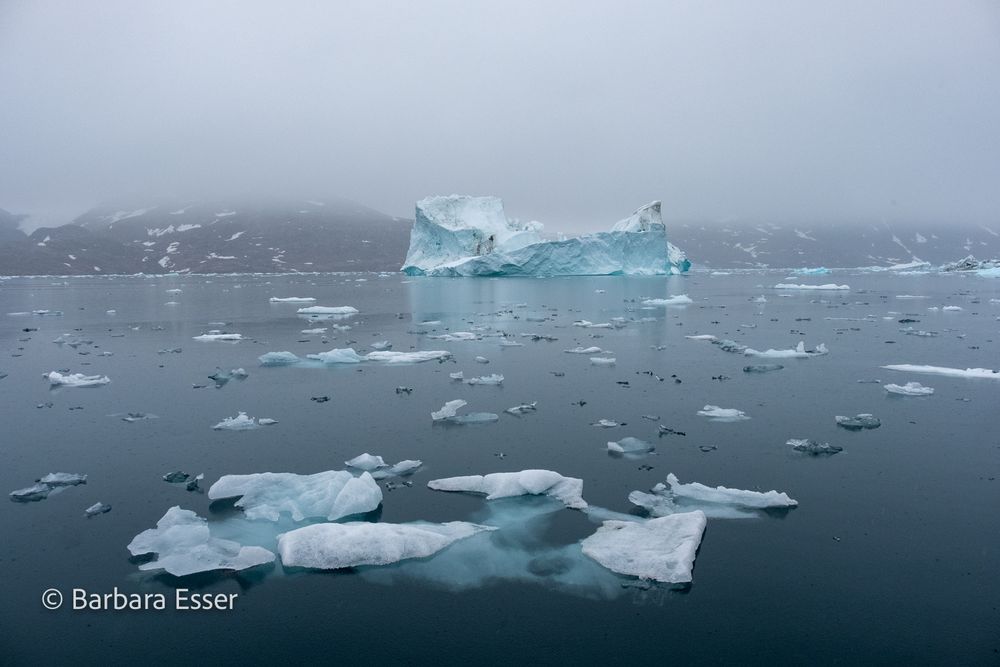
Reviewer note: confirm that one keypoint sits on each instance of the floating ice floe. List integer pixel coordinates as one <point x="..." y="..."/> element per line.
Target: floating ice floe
<point x="828" y="286"/>
<point x="661" y="549"/>
<point x="472" y="236"/>
<point x="725" y="496"/>
<point x="603" y="361"/>
<point x="449" y="414"/>
<point x="861" y="421"/>
<point x="292" y="299"/>
<point x="587" y="324"/>
<point x="219" y="336"/>
<point x="183" y="545"/>
<point x="567" y="490"/>
<point x="316" y="331"/>
<point x="495" y="380"/>
<point x="242" y="422"/>
<point x="345" y="355"/>
<point x="817" y="271"/>
<point x="717" y="414"/>
<point x="51" y="482"/>
<point x="630" y="445"/>
<point x="798" y="352"/>
<point x="523" y="408"/>
<point x="96" y="509"/>
<point x="278" y="359"/>
<point x="328" y="310"/>
<point x="606" y="423"/>
<point x="678" y="300"/>
<point x="812" y="447"/>
<point x="587" y="350"/>
<point x="57" y="379"/>
<point x="329" y="495"/>
<point x="457" y="336"/>
<point x="909" y="389"/>
<point x="987" y="373"/>
<point x="333" y="546"/>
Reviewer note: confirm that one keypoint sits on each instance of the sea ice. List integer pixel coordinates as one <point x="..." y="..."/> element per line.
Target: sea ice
<point x="183" y="545"/>
<point x="909" y="389"/>
<point x="242" y="422"/>
<point x="987" y="373"/>
<point x="63" y="479"/>
<point x="329" y="495"/>
<point x="219" y="336"/>
<point x="587" y="350"/>
<point x="715" y="413"/>
<point x="798" y="352"/>
<point x="828" y="286"/>
<point x="661" y="549"/>
<point x="567" y="490"/>
<point x="630" y="445"/>
<point x="472" y="236"/>
<point x="345" y="355"/>
<point x="603" y="361"/>
<point x="97" y="508"/>
<point x="494" y="380"/>
<point x="333" y="546"/>
<point x="812" y="447"/>
<point x="448" y="410"/>
<point x="523" y="408"/>
<point x="57" y="379"/>
<point x="37" y="491"/>
<point x="278" y="359"/>
<point x="292" y="299"/>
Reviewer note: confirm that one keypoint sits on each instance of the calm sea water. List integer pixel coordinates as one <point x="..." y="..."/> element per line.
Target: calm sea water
<point x="891" y="556"/>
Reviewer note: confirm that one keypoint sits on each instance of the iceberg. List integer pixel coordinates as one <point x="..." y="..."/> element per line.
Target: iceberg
<point x="568" y="490"/>
<point x="724" y="496"/>
<point x="329" y="495"/>
<point x="471" y="236"/>
<point x="183" y="545"/>
<point x="660" y="549"/>
<point x="987" y="373"/>
<point x="333" y="546"/>
<point x="57" y="379"/>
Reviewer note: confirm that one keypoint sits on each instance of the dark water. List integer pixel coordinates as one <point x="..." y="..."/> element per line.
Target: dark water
<point x="891" y="556"/>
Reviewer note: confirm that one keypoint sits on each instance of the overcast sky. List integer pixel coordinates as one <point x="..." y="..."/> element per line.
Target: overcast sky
<point x="574" y="112"/>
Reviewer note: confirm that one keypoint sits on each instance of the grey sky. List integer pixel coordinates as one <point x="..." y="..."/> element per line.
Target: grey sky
<point x="574" y="112"/>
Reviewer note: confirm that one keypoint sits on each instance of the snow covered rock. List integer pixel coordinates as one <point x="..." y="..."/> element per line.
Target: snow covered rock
<point x="332" y="546"/>
<point x="183" y="545"/>
<point x="661" y="549"/>
<point x="471" y="236"/>
<point x="568" y="490"/>
<point x="330" y="495"/>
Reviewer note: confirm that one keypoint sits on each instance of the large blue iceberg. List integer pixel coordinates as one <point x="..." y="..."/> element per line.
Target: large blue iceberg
<point x="458" y="235"/>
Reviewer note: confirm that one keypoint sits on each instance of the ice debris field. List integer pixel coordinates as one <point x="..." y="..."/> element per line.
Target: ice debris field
<point x="635" y="380"/>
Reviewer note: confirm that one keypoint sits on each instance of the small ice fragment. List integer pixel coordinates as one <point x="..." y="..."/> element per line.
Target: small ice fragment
<point x="985" y="373"/>
<point x="494" y="380"/>
<point x="278" y="359"/>
<point x="678" y="300"/>
<point x="176" y="477"/>
<point x="330" y="495"/>
<point x="292" y="299"/>
<point x="63" y="479"/>
<point x="32" y="493"/>
<point x="522" y="408"/>
<point x="605" y="423"/>
<point x="482" y="360"/>
<point x="381" y="345"/>
<point x="266" y="421"/>
<point x="457" y="376"/>
<point x="909" y="389"/>
<point x="603" y="361"/>
<point x="401" y="469"/>
<point x="861" y="421"/>
<point x="812" y="447"/>
<point x="366" y="462"/>
<point x="95" y="509"/>
<point x="827" y="286"/>
<point x="567" y="490"/>
<point x="726" y="496"/>
<point x="630" y="445"/>
<point x="338" y="356"/>
<point x="450" y="409"/>
<point x="219" y="336"/>
<point x="715" y="413"/>
<point x="317" y="330"/>
<point x="240" y="422"/>
<point x="661" y="549"/>
<point x="328" y="310"/>
<point x="586" y="350"/>
<point x="57" y="379"/>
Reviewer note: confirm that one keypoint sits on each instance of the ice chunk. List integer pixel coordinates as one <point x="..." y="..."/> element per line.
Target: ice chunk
<point x="606" y="423"/>
<point x="457" y="376"/>
<point x="310" y="332"/>
<point x="332" y="546"/>
<point x="567" y="490"/>
<point x="987" y="373"/>
<point x="812" y="447"/>
<point x="828" y="286"/>
<point x="328" y="310"/>
<point x="471" y="236"/>
<point x="96" y="508"/>
<point x="382" y="345"/>
<point x="861" y="421"/>
<point x="715" y="413"/>
<point x="495" y="380"/>
<point x="366" y="462"/>
<point x="420" y="356"/>
<point x="329" y="495"/>
<point x="31" y="493"/>
<point x="762" y="368"/>
<point x="603" y="361"/>
<point x="183" y="545"/>
<point x="630" y="445"/>
<point x="345" y="355"/>
<point x="587" y="350"/>
<point x="401" y="469"/>
<point x="219" y="336"/>
<point x="57" y="379"/>
<point x="456" y="336"/>
<point x="523" y="408"/>
<point x="242" y="422"/>
<point x="798" y="352"/>
<point x="661" y="549"/>
<point x="292" y="299"/>
<point x="278" y="359"/>
<point x="909" y="389"/>
<point x="678" y="300"/>
<point x="724" y="496"/>
<point x="448" y="410"/>
<point x="63" y="479"/>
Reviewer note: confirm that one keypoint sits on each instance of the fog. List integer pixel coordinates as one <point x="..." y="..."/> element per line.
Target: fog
<point x="574" y="112"/>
